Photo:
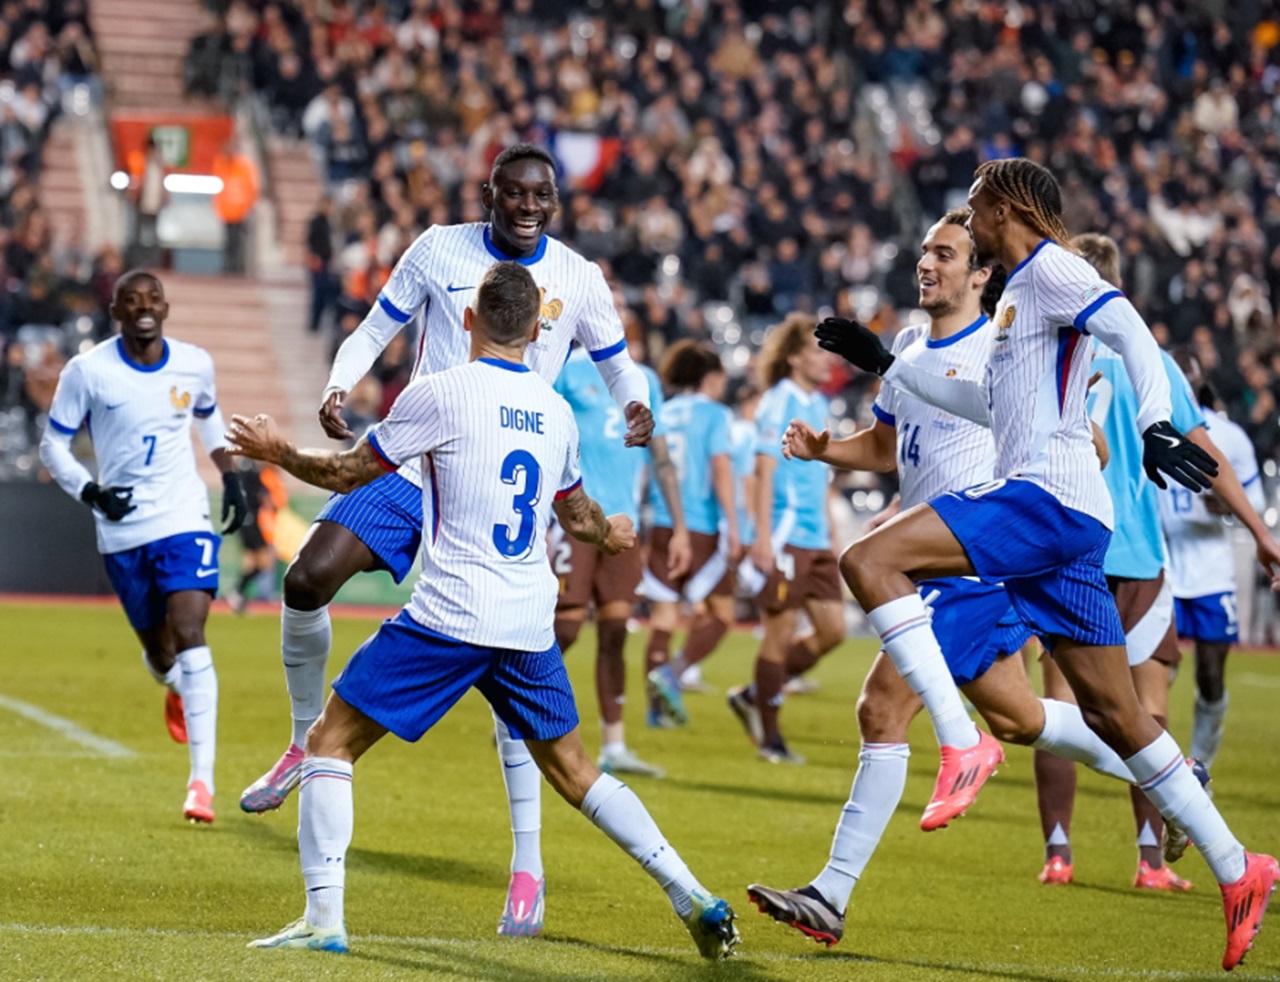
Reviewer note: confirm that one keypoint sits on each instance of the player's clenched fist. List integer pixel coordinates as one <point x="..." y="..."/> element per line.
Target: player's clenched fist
<point x="622" y="535"/>
<point x="256" y="438"/>
<point x="802" y="442"/>
<point x="639" y="424"/>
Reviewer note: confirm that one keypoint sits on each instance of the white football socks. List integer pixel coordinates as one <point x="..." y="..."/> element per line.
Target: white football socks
<point x="1164" y="777"/>
<point x="1206" y="729"/>
<point x="198" y="685"/>
<point x="168" y="679"/>
<point x="524" y="799"/>
<point x="326" y="817"/>
<point x="877" y="789"/>
<point x="903" y="626"/>
<point x="1067" y="735"/>
<point x="614" y="809"/>
<point x="305" y="638"/>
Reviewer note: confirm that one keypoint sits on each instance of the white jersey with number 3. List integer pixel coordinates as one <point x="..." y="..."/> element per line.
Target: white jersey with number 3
<point x="497" y="446"/>
<point x="938" y="452"/>
<point x="139" y="418"/>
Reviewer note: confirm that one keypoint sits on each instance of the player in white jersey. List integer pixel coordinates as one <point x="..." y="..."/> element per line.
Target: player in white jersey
<point x="141" y="394"/>
<point x="1202" y="568"/>
<point x="931" y="450"/>
<point x="379" y="526"/>
<point x="501" y="451"/>
<point x="1043" y="525"/>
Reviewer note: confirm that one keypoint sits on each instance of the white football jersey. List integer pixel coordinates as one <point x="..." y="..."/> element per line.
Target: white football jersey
<point x="139" y="419"/>
<point x="438" y="276"/>
<point x="938" y="452"/>
<point x="497" y="445"/>
<point x="1039" y="377"/>
<point x="1200" y="557"/>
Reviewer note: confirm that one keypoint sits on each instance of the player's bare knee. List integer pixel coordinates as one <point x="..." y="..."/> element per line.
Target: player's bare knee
<point x="187" y="636"/>
<point x="1010" y="729"/>
<point x="882" y="718"/>
<point x="308" y="585"/>
<point x="861" y="567"/>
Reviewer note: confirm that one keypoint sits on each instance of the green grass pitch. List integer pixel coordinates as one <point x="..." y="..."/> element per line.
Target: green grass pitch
<point x="101" y="879"/>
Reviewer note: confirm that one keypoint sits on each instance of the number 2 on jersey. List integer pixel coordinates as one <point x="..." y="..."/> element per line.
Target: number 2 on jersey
<point x="519" y="462"/>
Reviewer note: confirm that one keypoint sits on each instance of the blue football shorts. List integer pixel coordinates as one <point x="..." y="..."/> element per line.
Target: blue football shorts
<point x="974" y="622"/>
<point x="386" y="515"/>
<point x="144" y="577"/>
<point x="406" y="677"/>
<point x="1211" y="618"/>
<point x="1049" y="557"/>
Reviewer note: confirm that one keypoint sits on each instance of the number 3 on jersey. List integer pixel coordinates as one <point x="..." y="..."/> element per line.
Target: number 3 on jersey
<point x="519" y="462"/>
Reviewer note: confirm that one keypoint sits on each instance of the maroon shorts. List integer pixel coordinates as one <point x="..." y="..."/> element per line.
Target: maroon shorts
<point x="1143" y="615"/>
<point x="586" y="574"/>
<point x="800" y="575"/>
<point x="708" y="574"/>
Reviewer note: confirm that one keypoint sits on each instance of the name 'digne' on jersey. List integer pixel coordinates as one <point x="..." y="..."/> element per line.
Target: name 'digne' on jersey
<point x="524" y="420"/>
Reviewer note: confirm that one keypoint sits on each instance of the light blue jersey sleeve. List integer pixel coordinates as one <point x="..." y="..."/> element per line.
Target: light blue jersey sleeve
<point x="771" y="422"/>
<point x="1186" y="414"/>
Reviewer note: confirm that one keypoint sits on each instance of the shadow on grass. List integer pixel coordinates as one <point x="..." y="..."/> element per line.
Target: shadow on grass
<point x="764" y="793"/>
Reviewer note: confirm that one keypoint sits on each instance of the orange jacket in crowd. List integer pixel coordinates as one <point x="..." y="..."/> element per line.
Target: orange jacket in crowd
<point x="239" y="187"/>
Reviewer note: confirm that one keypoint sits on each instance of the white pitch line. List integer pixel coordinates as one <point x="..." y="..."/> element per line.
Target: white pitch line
<point x="1266" y="681"/>
<point x="66" y="728"/>
<point x="473" y="944"/>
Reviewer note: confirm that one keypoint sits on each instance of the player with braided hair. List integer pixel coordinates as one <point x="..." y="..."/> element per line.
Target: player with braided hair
<point x="1043" y="526"/>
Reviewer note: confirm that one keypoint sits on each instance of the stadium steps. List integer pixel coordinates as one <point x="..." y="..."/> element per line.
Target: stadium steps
<point x="296" y="185"/>
<point x="141" y="44"/>
<point x="61" y="185"/>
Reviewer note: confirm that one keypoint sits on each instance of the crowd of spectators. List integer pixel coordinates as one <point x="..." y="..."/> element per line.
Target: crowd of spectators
<point x="53" y="296"/>
<point x="753" y="157"/>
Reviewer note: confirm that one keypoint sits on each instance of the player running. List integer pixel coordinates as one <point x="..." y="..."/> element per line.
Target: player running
<point x="696" y="426"/>
<point x="502" y="450"/>
<point x="145" y="393"/>
<point x="1201" y="567"/>
<point x="975" y="624"/>
<point x="586" y="575"/>
<point x="1044" y="524"/>
<point x="793" y="536"/>
<point x="379" y="526"/>
<point x="1134" y="567"/>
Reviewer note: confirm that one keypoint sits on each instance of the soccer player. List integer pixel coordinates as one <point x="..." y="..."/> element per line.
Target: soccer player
<point x="1042" y="527"/>
<point x="585" y="573"/>
<point x="695" y="424"/>
<point x="145" y="393"/>
<point x="1202" y="570"/>
<point x="502" y="450"/>
<point x="1134" y="567"/>
<point x="793" y="535"/>
<point x="974" y="621"/>
<point x="379" y="525"/>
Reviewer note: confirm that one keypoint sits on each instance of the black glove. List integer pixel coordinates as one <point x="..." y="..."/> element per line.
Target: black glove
<point x="854" y="343"/>
<point x="1165" y="449"/>
<point x="234" y="503"/>
<point x="115" y="503"/>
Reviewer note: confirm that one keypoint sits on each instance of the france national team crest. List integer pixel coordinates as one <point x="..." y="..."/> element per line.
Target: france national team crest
<point x="180" y="401"/>
<point x="551" y="310"/>
<point x="1006" y="322"/>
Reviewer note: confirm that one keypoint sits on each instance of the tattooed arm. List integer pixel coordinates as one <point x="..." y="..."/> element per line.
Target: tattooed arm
<point x="584" y="519"/>
<point x="336" y="471"/>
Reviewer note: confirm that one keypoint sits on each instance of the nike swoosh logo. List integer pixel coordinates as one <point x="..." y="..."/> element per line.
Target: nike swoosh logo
<point x="116" y="406"/>
<point x="205" y="572"/>
<point x="1173" y="441"/>
<point x="457" y="289"/>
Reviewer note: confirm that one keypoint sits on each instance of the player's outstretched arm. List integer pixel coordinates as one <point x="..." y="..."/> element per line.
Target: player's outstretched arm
<point x="582" y="517"/>
<point x="341" y="471"/>
<point x="1228" y="490"/>
<point x="873" y="449"/>
<point x="680" y="550"/>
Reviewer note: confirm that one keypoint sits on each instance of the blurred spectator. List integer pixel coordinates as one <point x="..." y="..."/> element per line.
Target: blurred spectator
<point x="324" y="287"/>
<point x="234" y="203"/>
<point x="148" y="195"/>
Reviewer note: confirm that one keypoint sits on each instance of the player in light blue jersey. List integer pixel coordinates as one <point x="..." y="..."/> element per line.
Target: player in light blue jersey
<point x="379" y="525"/>
<point x="144" y="395"/>
<point x="501" y="449"/>
<point x="978" y="630"/>
<point x="696" y="425"/>
<point x="1044" y="524"/>
<point x="588" y="576"/>
<point x="793" y="547"/>
<point x="1134" y="565"/>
